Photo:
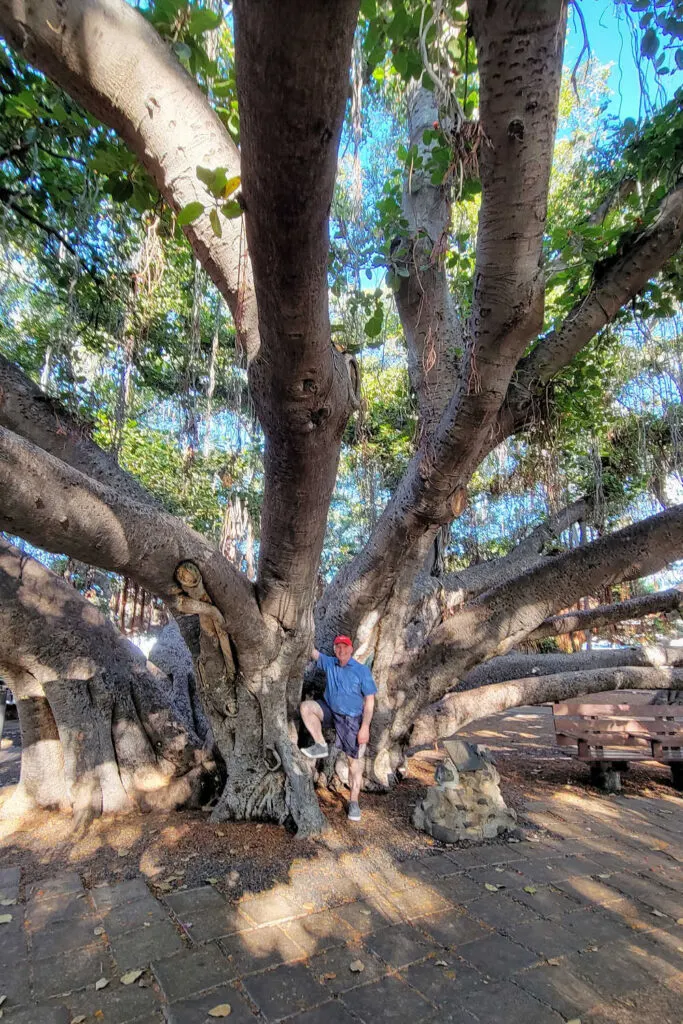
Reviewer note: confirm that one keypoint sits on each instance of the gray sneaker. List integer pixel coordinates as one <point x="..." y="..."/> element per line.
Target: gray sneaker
<point x="316" y="751"/>
<point x="354" y="811"/>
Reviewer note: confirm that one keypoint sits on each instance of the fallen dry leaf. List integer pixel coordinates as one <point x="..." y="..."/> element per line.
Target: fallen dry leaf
<point x="101" y="983"/>
<point x="222" y="1010"/>
<point x="553" y="961"/>
<point x="3" y="999"/>
<point x="98" y="931"/>
<point x="356" y="966"/>
<point x="491" y="887"/>
<point x="79" y="1019"/>
<point x="531" y="889"/>
<point x="8" y="903"/>
<point x="5" y="918"/>
<point x="658" y="913"/>
<point x="441" y="963"/>
<point x="130" y="976"/>
<point x="212" y="881"/>
<point x="327" y="977"/>
<point x="309" y="906"/>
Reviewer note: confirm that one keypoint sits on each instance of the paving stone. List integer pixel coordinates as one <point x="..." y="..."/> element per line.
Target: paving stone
<point x="138" y="948"/>
<point x="587" y="891"/>
<point x="328" y="1013"/>
<point x="440" y="865"/>
<point x="610" y="970"/>
<point x="650" y="893"/>
<point x="213" y="924"/>
<point x="546" y="901"/>
<point x="594" y="928"/>
<point x="560" y="987"/>
<point x="333" y="968"/>
<point x="285" y="990"/>
<point x="507" y="1002"/>
<point x="454" y="928"/>
<point x="258" y="949"/>
<point x="130" y="916"/>
<point x="9" y="878"/>
<point x="269" y="909"/>
<point x="41" y="1014"/>
<point x="419" y="869"/>
<point x="66" y="882"/>
<point x="498" y="957"/>
<point x="15" y="984"/>
<point x="456" y="888"/>
<point x="46" y="912"/>
<point x="481" y="856"/>
<point x="546" y="938"/>
<point x="59" y="975"/>
<point x="440" y="984"/>
<point x="196" y="1010"/>
<point x="108" y="896"/>
<point x="116" y="1004"/>
<point x="499" y="911"/>
<point x="509" y="876"/>
<point x="13" y="944"/>
<point x="188" y="974"/>
<point x="65" y="936"/>
<point x="401" y="944"/>
<point x="195" y="901"/>
<point x="413" y="903"/>
<point x="388" y="1000"/>
<point x="365" y="917"/>
<point x="319" y="932"/>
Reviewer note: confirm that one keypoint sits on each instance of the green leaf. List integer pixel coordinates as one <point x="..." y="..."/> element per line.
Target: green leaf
<point x="182" y="51"/>
<point x="649" y="44"/>
<point x="224" y="87"/>
<point x="231" y="210"/>
<point x="231" y="185"/>
<point x="189" y="213"/>
<point x="215" y="222"/>
<point x="122" y="190"/>
<point x="203" y="20"/>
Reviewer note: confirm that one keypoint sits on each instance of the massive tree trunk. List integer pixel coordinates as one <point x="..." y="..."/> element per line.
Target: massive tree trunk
<point x="250" y="641"/>
<point x="102" y="730"/>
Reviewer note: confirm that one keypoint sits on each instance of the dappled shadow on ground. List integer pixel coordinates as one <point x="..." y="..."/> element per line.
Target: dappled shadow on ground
<point x="579" y="920"/>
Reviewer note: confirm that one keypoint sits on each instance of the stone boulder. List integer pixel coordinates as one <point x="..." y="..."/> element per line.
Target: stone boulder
<point x="465" y="802"/>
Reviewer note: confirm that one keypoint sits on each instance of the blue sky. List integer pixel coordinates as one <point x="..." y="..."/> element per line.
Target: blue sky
<point x="611" y="42"/>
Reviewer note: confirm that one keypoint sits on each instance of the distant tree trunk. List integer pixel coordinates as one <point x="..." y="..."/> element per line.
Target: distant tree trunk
<point x="100" y="729"/>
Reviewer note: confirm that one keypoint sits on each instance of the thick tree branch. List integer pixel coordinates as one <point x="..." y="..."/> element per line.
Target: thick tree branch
<point x="458" y="709"/>
<point x="526" y="555"/>
<point x="291" y="111"/>
<point x="62" y="510"/>
<point x="605" y="614"/>
<point x="512" y="666"/>
<point x="113" y="62"/>
<point x="32" y="414"/>
<point x="502" y="617"/>
<point x="520" y="63"/>
<point x="619" y="281"/>
<point x="431" y="326"/>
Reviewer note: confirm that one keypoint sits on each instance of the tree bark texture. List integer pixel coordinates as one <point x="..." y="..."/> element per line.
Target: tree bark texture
<point x="100" y="729"/>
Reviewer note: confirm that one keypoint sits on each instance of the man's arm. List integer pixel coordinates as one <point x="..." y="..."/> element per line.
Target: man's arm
<point x="315" y="654"/>
<point x="368" y="711"/>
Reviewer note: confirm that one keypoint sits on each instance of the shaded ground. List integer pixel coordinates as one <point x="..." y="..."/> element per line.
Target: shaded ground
<point x="581" y="921"/>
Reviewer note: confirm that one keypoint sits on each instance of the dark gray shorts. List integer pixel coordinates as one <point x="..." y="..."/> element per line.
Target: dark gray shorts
<point x="346" y="727"/>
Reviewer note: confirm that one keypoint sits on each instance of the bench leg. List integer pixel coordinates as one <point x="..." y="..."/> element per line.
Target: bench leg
<point x="677" y="776"/>
<point x="605" y="776"/>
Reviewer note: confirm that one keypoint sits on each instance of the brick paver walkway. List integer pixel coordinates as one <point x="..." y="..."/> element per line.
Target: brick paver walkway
<point x="586" y="928"/>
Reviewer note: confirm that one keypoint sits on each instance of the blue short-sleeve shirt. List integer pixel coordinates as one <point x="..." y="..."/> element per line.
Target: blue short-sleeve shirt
<point x="347" y="686"/>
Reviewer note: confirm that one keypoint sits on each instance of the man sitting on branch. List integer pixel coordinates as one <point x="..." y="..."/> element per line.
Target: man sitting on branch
<point x="348" y="704"/>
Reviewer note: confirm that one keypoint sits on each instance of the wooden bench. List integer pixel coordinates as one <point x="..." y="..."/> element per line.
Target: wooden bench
<point x="608" y="736"/>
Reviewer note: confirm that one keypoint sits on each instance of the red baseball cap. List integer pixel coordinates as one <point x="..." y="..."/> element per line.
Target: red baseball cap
<point x="344" y="640"/>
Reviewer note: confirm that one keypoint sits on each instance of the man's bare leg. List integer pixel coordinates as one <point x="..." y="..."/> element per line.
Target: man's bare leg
<point x="312" y="716"/>
<point x="355" y="783"/>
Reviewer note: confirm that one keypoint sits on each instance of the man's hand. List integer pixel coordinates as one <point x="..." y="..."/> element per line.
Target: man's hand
<point x="363" y="735"/>
<point x="315" y="654"/>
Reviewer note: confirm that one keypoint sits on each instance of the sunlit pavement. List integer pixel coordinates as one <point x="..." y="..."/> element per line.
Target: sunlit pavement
<point x="584" y="924"/>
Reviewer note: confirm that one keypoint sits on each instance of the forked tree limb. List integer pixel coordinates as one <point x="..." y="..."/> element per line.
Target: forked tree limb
<point x="520" y="50"/>
<point x="459" y="709"/>
<point x="526" y="555"/>
<point x="606" y="614"/>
